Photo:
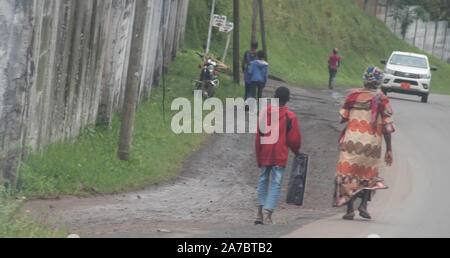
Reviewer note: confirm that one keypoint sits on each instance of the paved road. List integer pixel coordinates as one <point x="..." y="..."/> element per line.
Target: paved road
<point x="417" y="203"/>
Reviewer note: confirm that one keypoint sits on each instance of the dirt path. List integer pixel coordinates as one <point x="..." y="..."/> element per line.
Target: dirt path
<point x="215" y="195"/>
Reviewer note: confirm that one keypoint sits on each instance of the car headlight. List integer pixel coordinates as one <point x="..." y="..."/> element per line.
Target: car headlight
<point x="425" y="76"/>
<point x="389" y="71"/>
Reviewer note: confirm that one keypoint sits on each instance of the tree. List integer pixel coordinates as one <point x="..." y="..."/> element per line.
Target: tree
<point x="254" y="18"/>
<point x="405" y="15"/>
<point x="410" y="16"/>
<point x="438" y="9"/>
<point x="420" y="13"/>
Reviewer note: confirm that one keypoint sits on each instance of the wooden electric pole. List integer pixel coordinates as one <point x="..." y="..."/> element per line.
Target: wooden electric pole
<point x="263" y="30"/>
<point x="133" y="79"/>
<point x="236" y="54"/>
<point x="254" y="18"/>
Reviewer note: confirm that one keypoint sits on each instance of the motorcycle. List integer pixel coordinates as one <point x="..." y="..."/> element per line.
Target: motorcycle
<point x="209" y="80"/>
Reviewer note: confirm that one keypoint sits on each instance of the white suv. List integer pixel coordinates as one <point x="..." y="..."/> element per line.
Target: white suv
<point x="408" y="73"/>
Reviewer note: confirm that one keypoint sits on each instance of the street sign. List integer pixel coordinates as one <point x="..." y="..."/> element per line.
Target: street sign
<point x="219" y="20"/>
<point x="227" y="27"/>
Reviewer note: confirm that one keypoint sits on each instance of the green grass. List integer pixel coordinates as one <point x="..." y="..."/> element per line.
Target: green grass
<point x="15" y="224"/>
<point x="301" y="35"/>
<point x="89" y="164"/>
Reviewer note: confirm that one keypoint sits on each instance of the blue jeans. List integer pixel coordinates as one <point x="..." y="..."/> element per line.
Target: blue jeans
<point x="333" y="73"/>
<point x="266" y="198"/>
<point x="254" y="90"/>
<point x="247" y="90"/>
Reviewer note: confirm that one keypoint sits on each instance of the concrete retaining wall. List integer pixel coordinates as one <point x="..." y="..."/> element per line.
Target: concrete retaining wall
<point x="431" y="37"/>
<point x="63" y="65"/>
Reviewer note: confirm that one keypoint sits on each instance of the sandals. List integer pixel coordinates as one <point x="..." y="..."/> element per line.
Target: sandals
<point x="259" y="221"/>
<point x="269" y="222"/>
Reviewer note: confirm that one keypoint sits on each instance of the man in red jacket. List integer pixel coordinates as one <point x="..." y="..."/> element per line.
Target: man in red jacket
<point x="334" y="62"/>
<point x="273" y="156"/>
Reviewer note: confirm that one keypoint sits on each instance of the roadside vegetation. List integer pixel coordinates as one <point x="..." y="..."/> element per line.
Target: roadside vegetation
<point x="17" y="224"/>
<point x="301" y="34"/>
<point x="89" y="165"/>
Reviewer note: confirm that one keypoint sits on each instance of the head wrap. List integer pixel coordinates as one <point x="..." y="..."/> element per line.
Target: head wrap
<point x="373" y="77"/>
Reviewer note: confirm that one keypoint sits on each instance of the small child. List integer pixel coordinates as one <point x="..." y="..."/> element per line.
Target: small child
<point x="273" y="157"/>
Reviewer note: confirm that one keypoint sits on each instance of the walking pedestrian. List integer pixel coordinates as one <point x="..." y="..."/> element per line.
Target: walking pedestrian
<point x="334" y="62"/>
<point x="369" y="119"/>
<point x="259" y="74"/>
<point x="249" y="57"/>
<point x="272" y="158"/>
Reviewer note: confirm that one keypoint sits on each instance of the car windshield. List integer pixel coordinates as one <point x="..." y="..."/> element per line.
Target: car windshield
<point x="412" y="61"/>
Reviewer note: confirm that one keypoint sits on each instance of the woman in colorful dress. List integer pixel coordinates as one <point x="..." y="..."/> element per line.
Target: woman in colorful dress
<point x="368" y="115"/>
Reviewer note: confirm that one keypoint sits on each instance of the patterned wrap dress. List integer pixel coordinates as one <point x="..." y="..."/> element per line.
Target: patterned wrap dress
<point x="368" y="115"/>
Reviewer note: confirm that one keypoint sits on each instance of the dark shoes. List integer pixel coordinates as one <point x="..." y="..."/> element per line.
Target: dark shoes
<point x="349" y="216"/>
<point x="364" y="213"/>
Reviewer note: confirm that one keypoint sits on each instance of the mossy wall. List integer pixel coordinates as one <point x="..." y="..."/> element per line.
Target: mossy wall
<point x="64" y="66"/>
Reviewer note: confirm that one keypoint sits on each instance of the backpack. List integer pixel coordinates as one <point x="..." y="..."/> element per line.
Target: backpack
<point x="288" y="126"/>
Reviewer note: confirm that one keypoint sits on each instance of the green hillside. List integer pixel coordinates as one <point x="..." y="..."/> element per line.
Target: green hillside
<point x="301" y="34"/>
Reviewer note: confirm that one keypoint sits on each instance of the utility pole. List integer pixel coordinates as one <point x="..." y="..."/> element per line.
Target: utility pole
<point x="236" y="54"/>
<point x="445" y="42"/>
<point x="208" y="45"/>
<point x="133" y="79"/>
<point x="376" y="8"/>
<point x="365" y="5"/>
<point x="254" y="18"/>
<point x="263" y="30"/>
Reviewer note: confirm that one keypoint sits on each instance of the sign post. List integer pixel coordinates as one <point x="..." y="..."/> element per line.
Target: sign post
<point x="226" y="47"/>
<point x="236" y="68"/>
<point x="227" y="28"/>
<point x="219" y="21"/>
<point x="208" y="45"/>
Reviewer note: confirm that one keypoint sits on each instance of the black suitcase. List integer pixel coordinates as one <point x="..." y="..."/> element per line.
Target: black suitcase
<point x="297" y="181"/>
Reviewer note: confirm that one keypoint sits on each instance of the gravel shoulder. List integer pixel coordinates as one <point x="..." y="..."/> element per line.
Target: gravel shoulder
<point x="215" y="194"/>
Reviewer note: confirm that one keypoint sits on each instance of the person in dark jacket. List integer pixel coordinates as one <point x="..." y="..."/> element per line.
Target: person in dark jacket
<point x="259" y="74"/>
<point x="249" y="57"/>
<point x="273" y="157"/>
